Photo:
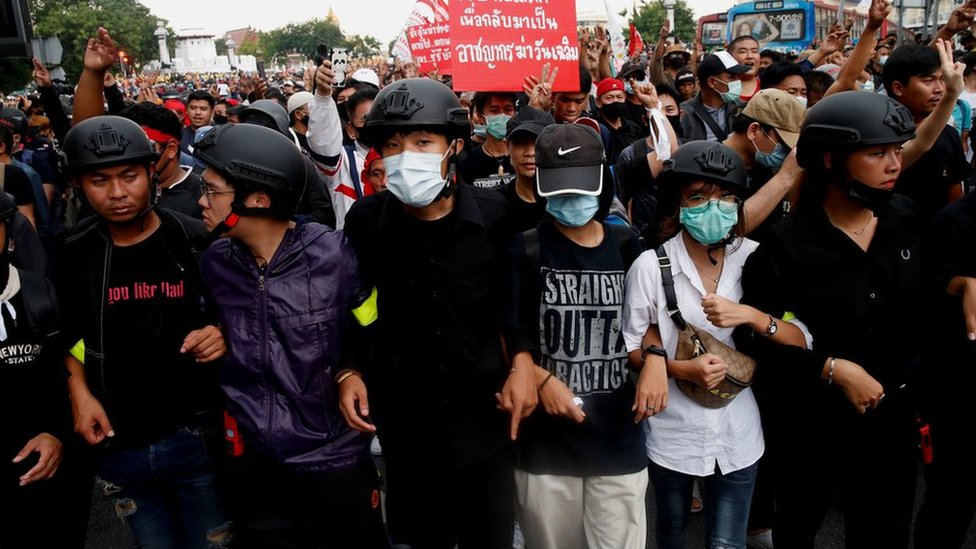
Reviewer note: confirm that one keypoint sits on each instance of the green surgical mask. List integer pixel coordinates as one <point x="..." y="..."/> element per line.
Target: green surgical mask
<point x="709" y="223"/>
<point x="497" y="125"/>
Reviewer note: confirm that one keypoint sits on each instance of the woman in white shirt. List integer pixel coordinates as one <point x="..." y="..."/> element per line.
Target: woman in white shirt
<point x="701" y="194"/>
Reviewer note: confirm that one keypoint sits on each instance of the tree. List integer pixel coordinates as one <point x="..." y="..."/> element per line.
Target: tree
<point x="74" y="21"/>
<point x="301" y="38"/>
<point x="650" y="15"/>
<point x="14" y="74"/>
<point x="221" y="46"/>
<point x="362" y="47"/>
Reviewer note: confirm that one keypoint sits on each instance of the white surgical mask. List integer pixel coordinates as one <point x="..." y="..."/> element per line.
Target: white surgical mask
<point x="415" y="177"/>
<point x="802" y="100"/>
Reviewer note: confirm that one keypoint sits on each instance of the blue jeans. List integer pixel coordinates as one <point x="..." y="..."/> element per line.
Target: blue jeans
<point x="167" y="492"/>
<point x="726" y="499"/>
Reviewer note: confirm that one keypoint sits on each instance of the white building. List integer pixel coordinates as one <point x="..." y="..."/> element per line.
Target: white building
<point x="197" y="52"/>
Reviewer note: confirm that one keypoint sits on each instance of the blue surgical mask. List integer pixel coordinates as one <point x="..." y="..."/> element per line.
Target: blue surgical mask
<point x="414" y="177"/>
<point x="479" y="130"/>
<point x="572" y="210"/>
<point x="772" y="160"/>
<point x="735" y="90"/>
<point x="628" y="89"/>
<point x="708" y="224"/>
<point x="868" y="86"/>
<point x="497" y="125"/>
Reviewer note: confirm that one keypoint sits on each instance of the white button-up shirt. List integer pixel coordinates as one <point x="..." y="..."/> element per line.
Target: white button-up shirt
<point x="687" y="437"/>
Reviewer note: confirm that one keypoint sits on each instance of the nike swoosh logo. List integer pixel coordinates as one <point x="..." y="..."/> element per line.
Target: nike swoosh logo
<point x="562" y="152"/>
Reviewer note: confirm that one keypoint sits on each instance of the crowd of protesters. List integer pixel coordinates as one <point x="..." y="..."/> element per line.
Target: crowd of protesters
<point x="733" y="282"/>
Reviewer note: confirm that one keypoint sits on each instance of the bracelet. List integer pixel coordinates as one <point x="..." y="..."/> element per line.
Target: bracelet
<point x="830" y="371"/>
<point x="654" y="350"/>
<point x="543" y="384"/>
<point x="346" y="374"/>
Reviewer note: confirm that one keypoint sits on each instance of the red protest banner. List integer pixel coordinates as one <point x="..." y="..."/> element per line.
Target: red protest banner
<point x="495" y="44"/>
<point x="428" y="35"/>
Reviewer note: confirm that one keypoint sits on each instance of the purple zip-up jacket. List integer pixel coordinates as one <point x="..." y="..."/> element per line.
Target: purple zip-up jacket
<point x="285" y="326"/>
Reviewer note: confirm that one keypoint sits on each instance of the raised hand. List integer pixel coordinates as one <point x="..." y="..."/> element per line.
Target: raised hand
<point x="42" y="77"/>
<point x="951" y="72"/>
<point x="100" y="52"/>
<point x="539" y="89"/>
<point x="877" y="13"/>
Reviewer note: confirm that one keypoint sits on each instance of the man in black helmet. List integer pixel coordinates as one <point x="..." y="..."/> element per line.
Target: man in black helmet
<point x="315" y="201"/>
<point x="434" y="249"/>
<point x="303" y="476"/>
<point x="142" y="383"/>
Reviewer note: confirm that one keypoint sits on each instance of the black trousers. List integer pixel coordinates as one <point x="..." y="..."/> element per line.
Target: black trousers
<point x="950" y="486"/>
<point x="273" y="507"/>
<point x="433" y="505"/>
<point x="869" y="461"/>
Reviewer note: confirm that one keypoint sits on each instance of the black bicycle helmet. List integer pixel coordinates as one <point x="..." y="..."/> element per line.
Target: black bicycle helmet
<point x="103" y="141"/>
<point x="415" y="103"/>
<point x="851" y="120"/>
<point x="254" y="158"/>
<point x="264" y="112"/>
<point x="707" y="161"/>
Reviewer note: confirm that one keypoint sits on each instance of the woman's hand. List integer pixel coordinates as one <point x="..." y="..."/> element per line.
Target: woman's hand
<point x="706" y="371"/>
<point x="652" y="389"/>
<point x="861" y="389"/>
<point x="725" y="313"/>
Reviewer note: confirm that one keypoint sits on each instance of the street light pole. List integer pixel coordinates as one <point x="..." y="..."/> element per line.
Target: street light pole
<point x="669" y="5"/>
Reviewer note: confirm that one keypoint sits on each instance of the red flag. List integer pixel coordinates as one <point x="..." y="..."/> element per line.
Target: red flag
<point x="636" y="43"/>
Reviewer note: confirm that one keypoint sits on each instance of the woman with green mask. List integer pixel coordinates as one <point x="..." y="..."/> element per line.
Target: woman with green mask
<point x="688" y="437"/>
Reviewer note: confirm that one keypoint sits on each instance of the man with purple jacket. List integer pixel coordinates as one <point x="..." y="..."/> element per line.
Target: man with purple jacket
<point x="290" y="303"/>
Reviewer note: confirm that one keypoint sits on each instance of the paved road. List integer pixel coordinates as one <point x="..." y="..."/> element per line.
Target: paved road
<point x="106" y="531"/>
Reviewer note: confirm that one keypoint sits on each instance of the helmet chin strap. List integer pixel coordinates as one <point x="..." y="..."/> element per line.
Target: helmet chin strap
<point x="227" y="224"/>
<point x="450" y="181"/>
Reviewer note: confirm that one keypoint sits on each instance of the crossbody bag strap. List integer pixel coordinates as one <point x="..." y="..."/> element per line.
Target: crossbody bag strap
<point x="720" y="134"/>
<point x="667" y="279"/>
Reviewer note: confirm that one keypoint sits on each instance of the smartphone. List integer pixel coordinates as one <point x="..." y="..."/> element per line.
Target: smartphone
<point x="261" y="69"/>
<point x="322" y="52"/>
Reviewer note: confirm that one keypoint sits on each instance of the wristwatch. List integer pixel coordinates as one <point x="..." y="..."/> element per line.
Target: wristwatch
<point x="771" y="329"/>
<point x="654" y="350"/>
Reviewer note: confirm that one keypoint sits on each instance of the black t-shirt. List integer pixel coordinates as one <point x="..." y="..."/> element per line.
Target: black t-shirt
<point x="17" y="184"/>
<point x="33" y="397"/>
<point x="486" y="172"/>
<point x="184" y="196"/>
<point x="573" y="318"/>
<point x="927" y="181"/>
<point x="149" y="388"/>
<point x="522" y="215"/>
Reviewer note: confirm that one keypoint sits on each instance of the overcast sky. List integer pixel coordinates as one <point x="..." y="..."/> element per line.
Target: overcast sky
<point x="380" y="18"/>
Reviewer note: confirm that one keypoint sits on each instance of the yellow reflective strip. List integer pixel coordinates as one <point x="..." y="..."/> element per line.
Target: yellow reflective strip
<point x="367" y="313"/>
<point x="788" y="316"/>
<point x="78" y="351"/>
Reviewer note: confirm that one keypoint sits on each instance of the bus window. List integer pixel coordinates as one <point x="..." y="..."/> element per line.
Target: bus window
<point x="713" y="34"/>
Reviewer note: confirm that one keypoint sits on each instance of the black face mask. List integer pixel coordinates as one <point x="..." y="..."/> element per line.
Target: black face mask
<point x="871" y="198"/>
<point x="675" y="120"/>
<point x="304" y="120"/>
<point x="219" y="119"/>
<point x="613" y="111"/>
<point x="675" y="62"/>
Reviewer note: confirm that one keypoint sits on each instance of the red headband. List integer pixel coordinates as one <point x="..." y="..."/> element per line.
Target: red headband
<point x="158" y="136"/>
